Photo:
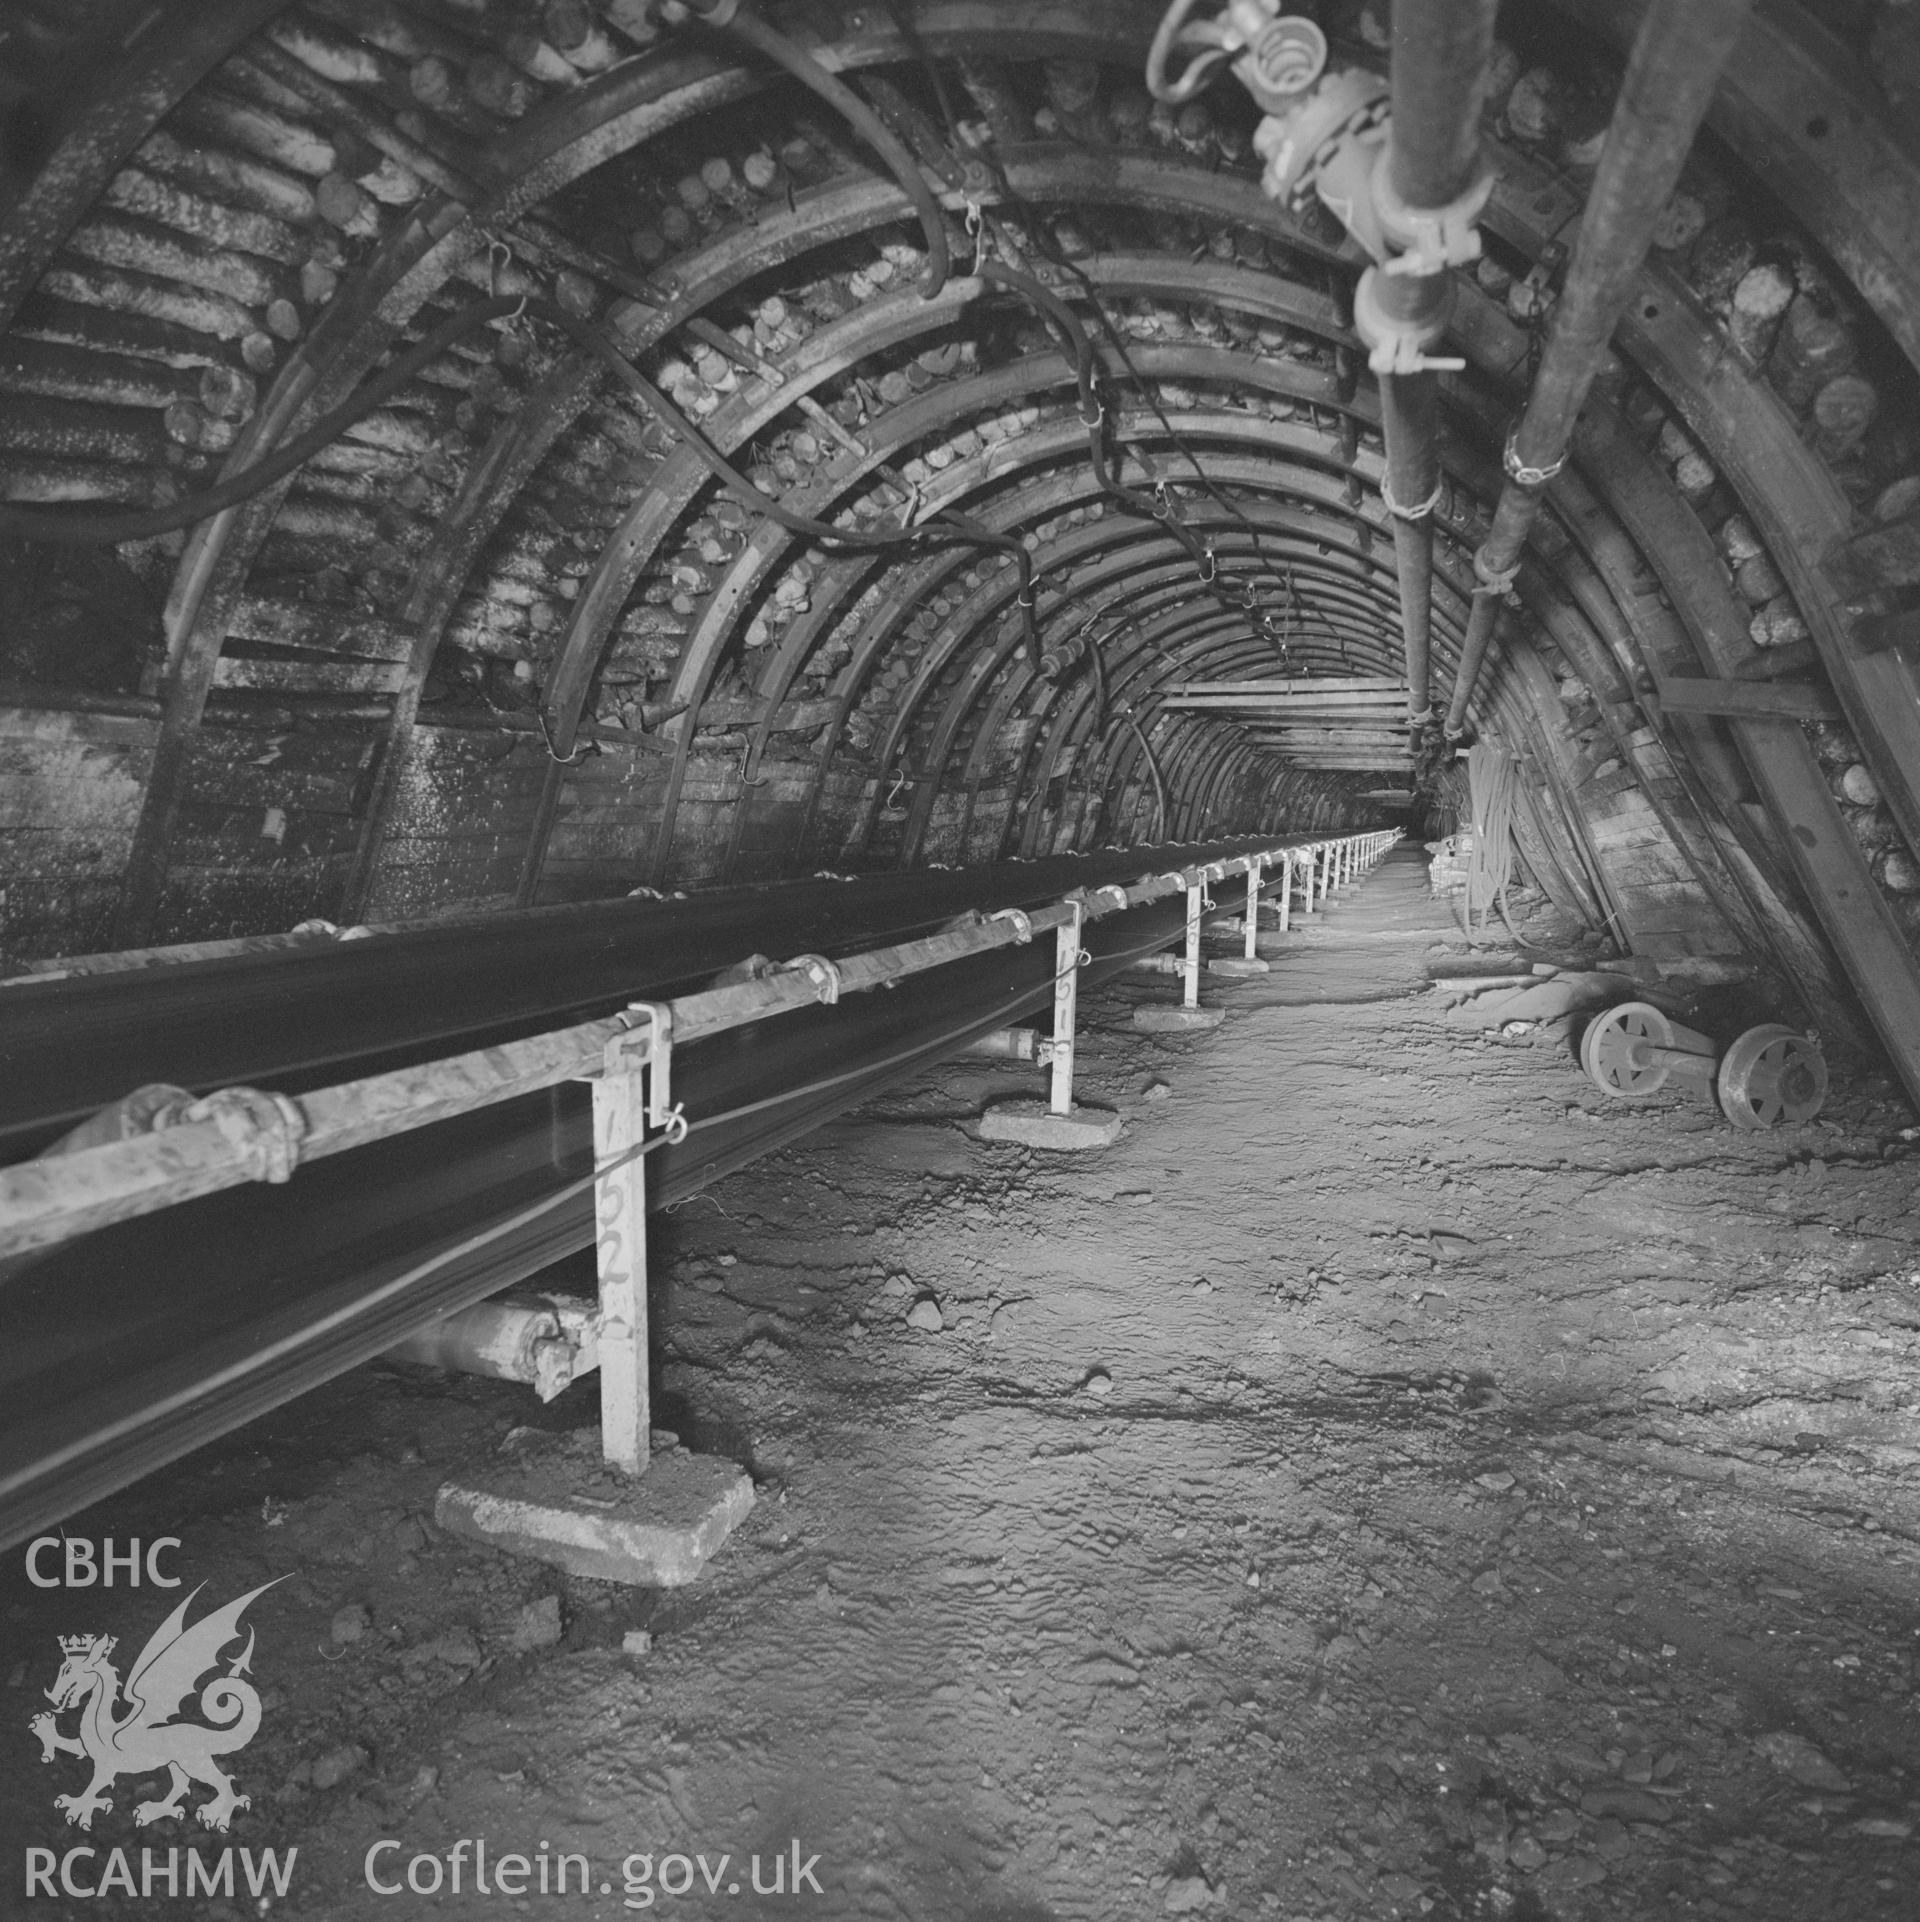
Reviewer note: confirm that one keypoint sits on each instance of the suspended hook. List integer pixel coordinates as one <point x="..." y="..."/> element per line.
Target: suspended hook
<point x="977" y="228"/>
<point x="589" y="746"/>
<point x="499" y="257"/>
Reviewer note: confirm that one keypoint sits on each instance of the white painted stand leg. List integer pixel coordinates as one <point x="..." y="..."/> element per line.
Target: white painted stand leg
<point x="620" y="1246"/>
<point x="1066" y="1010"/>
<point x="1286" y="892"/>
<point x="1190" y="971"/>
<point x="1189" y="1014"/>
<point x="1248" y="960"/>
<point x="619" y="1512"/>
<point x="1059" y="1122"/>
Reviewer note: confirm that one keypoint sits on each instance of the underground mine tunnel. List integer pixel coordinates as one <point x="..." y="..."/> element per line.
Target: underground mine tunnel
<point x="960" y="959"/>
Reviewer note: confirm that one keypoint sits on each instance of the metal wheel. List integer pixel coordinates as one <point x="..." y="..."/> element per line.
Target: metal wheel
<point x="1606" y="1050"/>
<point x="1772" y="1074"/>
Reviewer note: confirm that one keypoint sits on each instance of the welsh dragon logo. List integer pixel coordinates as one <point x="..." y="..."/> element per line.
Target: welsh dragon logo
<point x="143" y="1738"/>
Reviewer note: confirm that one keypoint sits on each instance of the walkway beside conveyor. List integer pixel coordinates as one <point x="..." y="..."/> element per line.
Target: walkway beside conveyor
<point x="1349" y="1493"/>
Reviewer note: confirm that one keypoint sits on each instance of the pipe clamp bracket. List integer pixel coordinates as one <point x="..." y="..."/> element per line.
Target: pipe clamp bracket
<point x="1432" y="239"/>
<point x="1396" y="346"/>
<point x="1520" y="473"/>
<point x="1418" y="510"/>
<point x="1495" y="581"/>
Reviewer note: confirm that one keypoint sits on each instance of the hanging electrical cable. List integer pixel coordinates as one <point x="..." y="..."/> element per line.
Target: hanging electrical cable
<point x="1161" y="810"/>
<point x="1148" y="392"/>
<point x="68" y="526"/>
<point x="1161" y="506"/>
<point x="1492" y="794"/>
<point x="80" y="527"/>
<point x="729" y="16"/>
<point x="84" y="527"/>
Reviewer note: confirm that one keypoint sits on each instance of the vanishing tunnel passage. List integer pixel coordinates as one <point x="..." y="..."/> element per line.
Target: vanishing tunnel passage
<point x="960" y="957"/>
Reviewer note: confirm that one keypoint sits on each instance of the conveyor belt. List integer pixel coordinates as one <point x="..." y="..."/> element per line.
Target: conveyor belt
<point x="300" y="1019"/>
<point x="131" y="1346"/>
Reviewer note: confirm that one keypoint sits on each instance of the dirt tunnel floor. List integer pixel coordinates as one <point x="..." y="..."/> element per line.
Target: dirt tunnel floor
<point x="1395" y="1480"/>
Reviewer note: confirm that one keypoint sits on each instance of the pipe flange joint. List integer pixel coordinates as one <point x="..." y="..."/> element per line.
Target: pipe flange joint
<point x="824" y="975"/>
<point x="1396" y="346"/>
<point x="1418" y="510"/>
<point x="1121" y="899"/>
<point x="1022" y="923"/>
<point x="1304" y="142"/>
<point x="1429" y="240"/>
<point x="1519" y="472"/>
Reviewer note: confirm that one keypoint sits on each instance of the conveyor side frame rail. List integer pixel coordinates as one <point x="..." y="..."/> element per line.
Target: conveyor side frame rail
<point x="60" y="1196"/>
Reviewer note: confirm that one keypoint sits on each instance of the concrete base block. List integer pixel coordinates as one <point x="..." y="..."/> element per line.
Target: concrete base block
<point x="1153" y="1019"/>
<point x="1237" y="964"/>
<point x="1032" y="1124"/>
<point x="558" y="1502"/>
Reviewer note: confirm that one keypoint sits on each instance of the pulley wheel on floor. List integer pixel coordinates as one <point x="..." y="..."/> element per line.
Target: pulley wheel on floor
<point x="1607" y="1049"/>
<point x="1771" y="1074"/>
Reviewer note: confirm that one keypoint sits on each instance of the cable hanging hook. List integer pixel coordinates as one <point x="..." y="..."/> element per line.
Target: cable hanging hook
<point x="977" y="229"/>
<point x="499" y="258"/>
<point x="574" y="759"/>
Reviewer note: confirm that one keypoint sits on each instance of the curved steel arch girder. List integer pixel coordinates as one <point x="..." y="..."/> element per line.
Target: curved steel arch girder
<point x="1145" y="597"/>
<point x="1787" y="108"/>
<point x="557" y="143"/>
<point x="1173" y="570"/>
<point x="1015" y="687"/>
<point x="1226" y="365"/>
<point x="648" y="522"/>
<point x="1074" y="705"/>
<point x="153" y="74"/>
<point x="835" y="211"/>
<point x="372" y="308"/>
<point x="1058" y="441"/>
<point x="1146" y="661"/>
<point x="986" y="604"/>
<point x="1076" y="709"/>
<point x="1037" y="500"/>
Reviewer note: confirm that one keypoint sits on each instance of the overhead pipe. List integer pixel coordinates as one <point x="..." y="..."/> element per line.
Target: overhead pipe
<point x="1401" y="165"/>
<point x="1675" y="67"/>
<point x="1428" y="189"/>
